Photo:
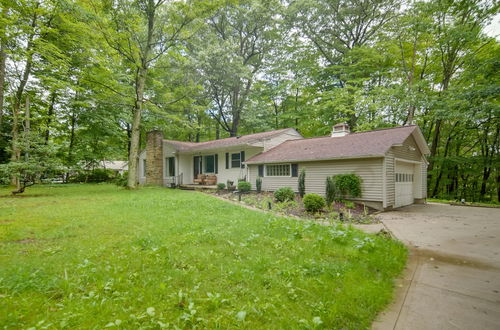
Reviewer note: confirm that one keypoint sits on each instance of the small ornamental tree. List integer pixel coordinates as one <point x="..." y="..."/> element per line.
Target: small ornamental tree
<point x="331" y="192"/>
<point x="258" y="184"/>
<point x="302" y="182"/>
<point x="37" y="161"/>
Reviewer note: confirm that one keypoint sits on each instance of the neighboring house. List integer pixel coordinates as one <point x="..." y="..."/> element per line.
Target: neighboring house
<point x="118" y="166"/>
<point x="391" y="162"/>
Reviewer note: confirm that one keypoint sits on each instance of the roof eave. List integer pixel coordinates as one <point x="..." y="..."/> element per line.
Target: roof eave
<point x="249" y="162"/>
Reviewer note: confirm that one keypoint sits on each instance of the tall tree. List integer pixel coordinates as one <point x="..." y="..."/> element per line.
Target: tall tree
<point x="141" y="32"/>
<point x="231" y="52"/>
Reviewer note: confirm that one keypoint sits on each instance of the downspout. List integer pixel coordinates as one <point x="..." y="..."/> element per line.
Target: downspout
<point x="384" y="182"/>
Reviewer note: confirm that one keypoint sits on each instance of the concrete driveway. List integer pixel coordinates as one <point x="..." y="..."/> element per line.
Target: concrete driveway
<point x="452" y="280"/>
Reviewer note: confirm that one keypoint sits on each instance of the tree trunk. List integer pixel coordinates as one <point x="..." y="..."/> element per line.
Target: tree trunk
<point x="3" y="58"/>
<point x="50" y="114"/>
<point x="16" y="153"/>
<point x="140" y="82"/>
<point x="133" y="159"/>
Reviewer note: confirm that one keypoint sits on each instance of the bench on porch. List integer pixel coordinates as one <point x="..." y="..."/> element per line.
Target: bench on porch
<point x="206" y="179"/>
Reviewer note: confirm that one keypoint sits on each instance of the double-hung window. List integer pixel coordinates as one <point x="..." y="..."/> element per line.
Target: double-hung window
<point x="236" y="160"/>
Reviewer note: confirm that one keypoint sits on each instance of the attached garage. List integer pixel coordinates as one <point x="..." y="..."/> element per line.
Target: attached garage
<point x="390" y="162"/>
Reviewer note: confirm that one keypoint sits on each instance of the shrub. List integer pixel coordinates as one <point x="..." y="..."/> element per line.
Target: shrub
<point x="349" y="204"/>
<point x="221" y="186"/>
<point x="313" y="202"/>
<point x="121" y="180"/>
<point x="258" y="184"/>
<point x="331" y="190"/>
<point x="302" y="182"/>
<point x="94" y="176"/>
<point x="244" y="186"/>
<point x="284" y="194"/>
<point x="349" y="185"/>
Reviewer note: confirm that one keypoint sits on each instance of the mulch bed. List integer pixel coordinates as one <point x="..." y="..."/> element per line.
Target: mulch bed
<point x="344" y="211"/>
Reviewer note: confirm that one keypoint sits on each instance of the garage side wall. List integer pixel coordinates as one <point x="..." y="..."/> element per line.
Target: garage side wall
<point x="408" y="151"/>
<point x="370" y="171"/>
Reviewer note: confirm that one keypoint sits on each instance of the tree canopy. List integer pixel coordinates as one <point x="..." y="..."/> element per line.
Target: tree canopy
<point x="96" y="75"/>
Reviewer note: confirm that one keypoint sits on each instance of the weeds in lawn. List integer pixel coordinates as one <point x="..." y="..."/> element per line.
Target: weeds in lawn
<point x="102" y="256"/>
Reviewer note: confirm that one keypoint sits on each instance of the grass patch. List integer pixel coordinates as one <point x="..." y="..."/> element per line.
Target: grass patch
<point x="91" y="256"/>
<point x="493" y="204"/>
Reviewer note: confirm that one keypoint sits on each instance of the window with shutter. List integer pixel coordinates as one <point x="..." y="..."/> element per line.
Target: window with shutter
<point x="261" y="170"/>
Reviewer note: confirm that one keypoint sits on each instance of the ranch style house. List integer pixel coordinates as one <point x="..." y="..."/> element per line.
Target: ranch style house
<point x="391" y="162"/>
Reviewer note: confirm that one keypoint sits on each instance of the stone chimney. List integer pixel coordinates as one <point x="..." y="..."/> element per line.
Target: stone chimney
<point x="341" y="129"/>
<point x="154" y="157"/>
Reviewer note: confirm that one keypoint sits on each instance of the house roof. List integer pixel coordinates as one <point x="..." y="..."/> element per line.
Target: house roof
<point x="227" y="142"/>
<point x="114" y="164"/>
<point x="355" y="145"/>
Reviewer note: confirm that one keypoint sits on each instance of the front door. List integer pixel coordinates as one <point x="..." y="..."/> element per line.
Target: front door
<point x="196" y="166"/>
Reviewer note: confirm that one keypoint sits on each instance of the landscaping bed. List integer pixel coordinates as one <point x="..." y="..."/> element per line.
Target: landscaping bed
<point x="345" y="211"/>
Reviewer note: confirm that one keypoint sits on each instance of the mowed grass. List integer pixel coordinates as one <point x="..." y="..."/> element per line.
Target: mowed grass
<point x="95" y="256"/>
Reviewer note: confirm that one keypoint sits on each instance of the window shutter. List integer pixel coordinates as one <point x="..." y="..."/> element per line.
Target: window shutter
<point x="227" y="160"/>
<point x="216" y="163"/>
<point x="261" y="170"/>
<point x="295" y="170"/>
<point x="242" y="159"/>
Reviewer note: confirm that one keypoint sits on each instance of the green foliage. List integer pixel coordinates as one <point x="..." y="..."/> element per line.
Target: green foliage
<point x="284" y="194"/>
<point x="94" y="176"/>
<point x="313" y="202"/>
<point x="38" y="161"/>
<point x="221" y="186"/>
<point x="244" y="186"/>
<point x="258" y="184"/>
<point x="103" y="242"/>
<point x="331" y="192"/>
<point x="349" y="204"/>
<point x="349" y="185"/>
<point x="121" y="179"/>
<point x="302" y="182"/>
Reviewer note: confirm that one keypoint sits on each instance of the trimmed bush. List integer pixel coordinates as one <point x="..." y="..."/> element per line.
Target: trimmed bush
<point x="313" y="202"/>
<point x="221" y="186"/>
<point x="258" y="184"/>
<point x="244" y="186"/>
<point x="331" y="192"/>
<point x="284" y="194"/>
<point x="302" y="182"/>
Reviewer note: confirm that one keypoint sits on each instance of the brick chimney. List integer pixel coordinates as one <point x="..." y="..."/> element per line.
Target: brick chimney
<point x="154" y="157"/>
<point x="341" y="129"/>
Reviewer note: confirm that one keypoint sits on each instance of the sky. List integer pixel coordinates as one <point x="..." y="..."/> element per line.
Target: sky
<point x="493" y="29"/>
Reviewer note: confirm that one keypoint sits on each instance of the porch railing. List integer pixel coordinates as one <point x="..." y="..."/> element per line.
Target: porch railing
<point x="173" y="181"/>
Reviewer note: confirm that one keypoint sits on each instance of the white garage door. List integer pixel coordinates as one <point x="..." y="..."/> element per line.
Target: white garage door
<point x="404" y="183"/>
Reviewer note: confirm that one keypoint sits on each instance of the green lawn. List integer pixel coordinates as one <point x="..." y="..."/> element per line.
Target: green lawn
<point x="90" y="256"/>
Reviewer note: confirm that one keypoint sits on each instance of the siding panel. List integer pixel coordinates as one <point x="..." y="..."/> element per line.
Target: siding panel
<point x="370" y="171"/>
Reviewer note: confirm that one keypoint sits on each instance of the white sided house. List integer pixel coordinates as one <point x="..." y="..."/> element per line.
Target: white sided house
<point x="390" y="162"/>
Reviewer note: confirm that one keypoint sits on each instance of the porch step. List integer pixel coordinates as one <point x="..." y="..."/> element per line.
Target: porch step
<point x="197" y="187"/>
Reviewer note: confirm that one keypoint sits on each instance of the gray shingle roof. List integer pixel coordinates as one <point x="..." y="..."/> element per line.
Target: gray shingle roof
<point x="354" y="145"/>
<point x="227" y="142"/>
